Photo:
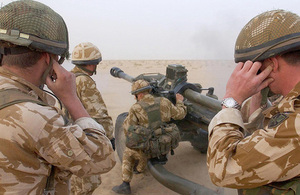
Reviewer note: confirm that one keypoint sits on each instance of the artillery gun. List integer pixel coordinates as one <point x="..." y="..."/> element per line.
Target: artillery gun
<point x="193" y="128"/>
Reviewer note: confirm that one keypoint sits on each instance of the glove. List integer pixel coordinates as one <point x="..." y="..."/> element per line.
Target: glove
<point x="112" y="141"/>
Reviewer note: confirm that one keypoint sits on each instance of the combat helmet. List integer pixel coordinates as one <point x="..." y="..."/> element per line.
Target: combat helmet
<point x="140" y="86"/>
<point x="86" y="54"/>
<point x="29" y="24"/>
<point x="268" y="34"/>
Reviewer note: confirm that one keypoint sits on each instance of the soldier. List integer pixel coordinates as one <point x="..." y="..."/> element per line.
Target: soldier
<point x="38" y="151"/>
<point x="86" y="57"/>
<point x="138" y="116"/>
<point x="267" y="51"/>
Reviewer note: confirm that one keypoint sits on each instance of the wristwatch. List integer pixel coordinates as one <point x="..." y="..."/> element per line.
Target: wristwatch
<point x="230" y="103"/>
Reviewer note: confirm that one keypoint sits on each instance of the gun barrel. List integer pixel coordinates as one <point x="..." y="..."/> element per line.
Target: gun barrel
<point x="117" y="72"/>
<point x="203" y="100"/>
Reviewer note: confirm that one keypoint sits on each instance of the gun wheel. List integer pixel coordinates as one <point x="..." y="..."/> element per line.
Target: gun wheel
<point x="200" y="141"/>
<point x="200" y="149"/>
<point x="119" y="135"/>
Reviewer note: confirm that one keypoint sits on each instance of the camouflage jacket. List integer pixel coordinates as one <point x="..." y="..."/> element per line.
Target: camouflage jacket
<point x="92" y="101"/>
<point x="269" y="154"/>
<point x="34" y="138"/>
<point x="138" y="116"/>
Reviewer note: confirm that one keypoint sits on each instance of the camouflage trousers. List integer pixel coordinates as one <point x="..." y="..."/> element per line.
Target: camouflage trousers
<point x="130" y="158"/>
<point x="85" y="185"/>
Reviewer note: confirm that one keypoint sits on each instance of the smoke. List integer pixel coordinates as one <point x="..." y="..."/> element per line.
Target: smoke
<point x="215" y="39"/>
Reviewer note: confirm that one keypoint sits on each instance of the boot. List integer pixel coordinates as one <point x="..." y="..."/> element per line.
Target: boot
<point x="135" y="171"/>
<point x="124" y="188"/>
<point x="159" y="160"/>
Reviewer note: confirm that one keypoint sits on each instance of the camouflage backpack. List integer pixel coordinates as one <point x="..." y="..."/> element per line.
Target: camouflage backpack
<point x="12" y="96"/>
<point x="289" y="187"/>
<point x="158" y="138"/>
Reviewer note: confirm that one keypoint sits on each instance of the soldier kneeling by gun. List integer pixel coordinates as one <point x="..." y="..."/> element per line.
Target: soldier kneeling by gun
<point x="148" y="134"/>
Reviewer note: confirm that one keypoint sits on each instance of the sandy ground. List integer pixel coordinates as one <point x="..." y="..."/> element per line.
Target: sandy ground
<point x="187" y="162"/>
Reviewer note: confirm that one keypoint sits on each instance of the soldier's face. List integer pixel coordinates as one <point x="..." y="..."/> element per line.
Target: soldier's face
<point x="91" y="68"/>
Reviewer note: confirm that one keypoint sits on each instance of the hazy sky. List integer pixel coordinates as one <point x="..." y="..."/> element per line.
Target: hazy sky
<point x="161" y="29"/>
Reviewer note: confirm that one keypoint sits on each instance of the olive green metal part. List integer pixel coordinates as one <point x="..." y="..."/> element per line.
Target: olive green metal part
<point x="198" y="98"/>
<point x="178" y="184"/>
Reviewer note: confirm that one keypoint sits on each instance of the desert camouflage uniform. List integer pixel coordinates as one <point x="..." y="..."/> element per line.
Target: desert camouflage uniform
<point x="34" y="137"/>
<point x="93" y="102"/>
<point x="138" y="116"/>
<point x="270" y="154"/>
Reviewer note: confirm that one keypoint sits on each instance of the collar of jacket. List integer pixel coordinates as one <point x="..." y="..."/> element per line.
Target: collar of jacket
<point x="287" y="104"/>
<point x="27" y="85"/>
<point x="148" y="98"/>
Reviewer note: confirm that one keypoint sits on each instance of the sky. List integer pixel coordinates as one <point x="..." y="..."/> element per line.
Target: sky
<point x="161" y="29"/>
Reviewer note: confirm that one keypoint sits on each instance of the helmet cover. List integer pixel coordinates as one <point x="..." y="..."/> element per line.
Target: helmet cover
<point x="140" y="86"/>
<point x="34" y="25"/>
<point x="268" y="34"/>
<point x="86" y="54"/>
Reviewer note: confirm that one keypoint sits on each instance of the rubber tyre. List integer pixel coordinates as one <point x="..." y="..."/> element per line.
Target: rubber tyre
<point x="119" y="135"/>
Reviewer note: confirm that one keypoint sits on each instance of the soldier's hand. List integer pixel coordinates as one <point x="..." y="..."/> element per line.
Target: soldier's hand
<point x="179" y="97"/>
<point x="245" y="82"/>
<point x="62" y="83"/>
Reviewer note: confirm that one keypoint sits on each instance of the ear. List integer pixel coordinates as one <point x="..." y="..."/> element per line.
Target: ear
<point x="140" y="96"/>
<point x="46" y="57"/>
<point x="274" y="63"/>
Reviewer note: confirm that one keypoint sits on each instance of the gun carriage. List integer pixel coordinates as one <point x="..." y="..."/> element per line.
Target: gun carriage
<point x="201" y="108"/>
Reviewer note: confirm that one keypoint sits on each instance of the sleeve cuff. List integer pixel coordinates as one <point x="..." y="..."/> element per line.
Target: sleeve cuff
<point x="227" y="115"/>
<point x="179" y="102"/>
<point x="89" y="123"/>
<point x="255" y="115"/>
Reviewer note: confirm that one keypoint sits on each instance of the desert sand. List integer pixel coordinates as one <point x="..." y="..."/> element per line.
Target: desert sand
<point x="187" y="162"/>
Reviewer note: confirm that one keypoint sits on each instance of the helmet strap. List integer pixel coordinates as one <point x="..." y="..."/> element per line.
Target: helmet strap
<point x="286" y="41"/>
<point x="47" y="71"/>
<point x="143" y="89"/>
<point x="14" y="50"/>
<point x="87" y="70"/>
